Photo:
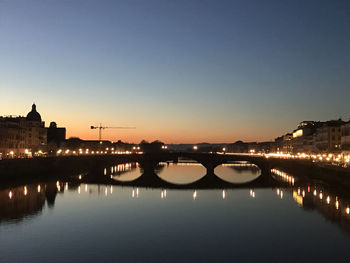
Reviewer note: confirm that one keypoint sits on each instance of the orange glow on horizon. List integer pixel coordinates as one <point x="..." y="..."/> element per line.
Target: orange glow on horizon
<point x="77" y="122"/>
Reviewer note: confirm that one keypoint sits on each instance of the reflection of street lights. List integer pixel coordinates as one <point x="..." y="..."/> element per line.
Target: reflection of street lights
<point x="194" y="195"/>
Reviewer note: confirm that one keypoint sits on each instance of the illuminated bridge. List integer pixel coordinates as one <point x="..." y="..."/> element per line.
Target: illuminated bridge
<point x="94" y="165"/>
<point x="150" y="162"/>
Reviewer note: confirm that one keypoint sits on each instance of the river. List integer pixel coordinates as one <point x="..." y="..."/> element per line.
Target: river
<point x="78" y="221"/>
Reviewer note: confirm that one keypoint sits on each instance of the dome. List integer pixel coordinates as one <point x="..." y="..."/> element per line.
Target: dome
<point x="33" y="115"/>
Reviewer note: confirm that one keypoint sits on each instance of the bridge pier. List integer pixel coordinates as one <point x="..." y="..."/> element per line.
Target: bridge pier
<point x="210" y="168"/>
<point x="148" y="166"/>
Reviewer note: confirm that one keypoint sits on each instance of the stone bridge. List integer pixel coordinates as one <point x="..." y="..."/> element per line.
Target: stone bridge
<point x="209" y="161"/>
<point x="149" y="178"/>
<point x="16" y="169"/>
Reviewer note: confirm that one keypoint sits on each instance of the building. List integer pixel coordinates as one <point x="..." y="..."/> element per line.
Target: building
<point x="345" y="137"/>
<point x="327" y="137"/>
<point x="55" y="135"/>
<point x="316" y="137"/>
<point x="36" y="134"/>
<point x="303" y="137"/>
<point x="237" y="147"/>
<point x="77" y="145"/>
<point x="252" y="147"/>
<point x="12" y="136"/>
<point x="284" y="143"/>
<point x="22" y="136"/>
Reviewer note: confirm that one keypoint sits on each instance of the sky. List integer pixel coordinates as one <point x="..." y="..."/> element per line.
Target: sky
<point x="179" y="71"/>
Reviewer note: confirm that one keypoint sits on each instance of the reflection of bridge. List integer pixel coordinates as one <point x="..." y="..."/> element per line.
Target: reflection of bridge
<point x="208" y="181"/>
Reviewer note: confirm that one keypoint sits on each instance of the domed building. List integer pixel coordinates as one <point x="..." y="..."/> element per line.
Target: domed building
<point x="21" y="136"/>
<point x="33" y="115"/>
<point x="36" y="134"/>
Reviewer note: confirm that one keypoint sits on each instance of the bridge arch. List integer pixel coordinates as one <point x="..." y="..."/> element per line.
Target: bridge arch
<point x="237" y="172"/>
<point x="150" y="161"/>
<point x="174" y="174"/>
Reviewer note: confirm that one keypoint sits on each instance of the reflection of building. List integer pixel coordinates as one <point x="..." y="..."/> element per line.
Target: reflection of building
<point x="23" y="201"/>
<point x="20" y="135"/>
<point x="331" y="207"/>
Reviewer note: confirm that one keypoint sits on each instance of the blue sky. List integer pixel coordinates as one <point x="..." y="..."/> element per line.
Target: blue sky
<point x="180" y="71"/>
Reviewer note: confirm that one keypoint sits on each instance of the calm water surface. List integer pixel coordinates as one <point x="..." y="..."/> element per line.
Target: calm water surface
<point x="81" y="222"/>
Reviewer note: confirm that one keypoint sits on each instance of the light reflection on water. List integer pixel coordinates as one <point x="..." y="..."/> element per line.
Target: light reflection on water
<point x="182" y="173"/>
<point x="73" y="221"/>
<point x="126" y="172"/>
<point x="237" y="172"/>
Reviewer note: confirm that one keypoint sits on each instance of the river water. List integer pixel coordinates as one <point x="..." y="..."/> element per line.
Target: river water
<point x="79" y="221"/>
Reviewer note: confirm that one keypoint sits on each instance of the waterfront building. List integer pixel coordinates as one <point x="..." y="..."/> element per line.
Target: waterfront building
<point x="36" y="134"/>
<point x="284" y="143"/>
<point x="75" y="144"/>
<point x="238" y="147"/>
<point x="345" y="137"/>
<point x="328" y="136"/>
<point x="22" y="136"/>
<point x="55" y="138"/>
<point x="12" y="136"/>
<point x="315" y="137"/>
<point x="55" y="135"/>
<point x="303" y="137"/>
<point x="252" y="147"/>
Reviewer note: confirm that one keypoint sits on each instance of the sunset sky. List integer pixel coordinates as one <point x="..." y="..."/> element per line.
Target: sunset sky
<point x="179" y="71"/>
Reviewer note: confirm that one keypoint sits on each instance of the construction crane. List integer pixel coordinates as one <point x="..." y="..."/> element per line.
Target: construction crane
<point x="100" y="128"/>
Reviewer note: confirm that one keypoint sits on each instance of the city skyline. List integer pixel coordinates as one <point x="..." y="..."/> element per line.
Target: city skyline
<point x="180" y="72"/>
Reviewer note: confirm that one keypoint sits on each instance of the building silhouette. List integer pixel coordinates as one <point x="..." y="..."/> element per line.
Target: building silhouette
<point x="26" y="136"/>
<point x="55" y="135"/>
